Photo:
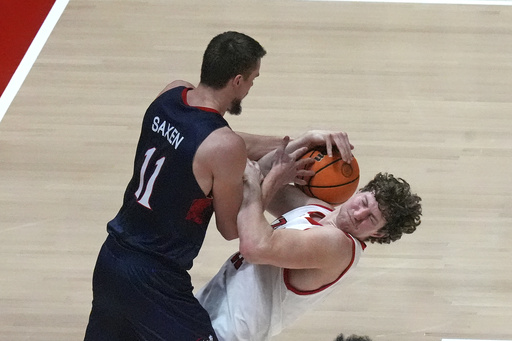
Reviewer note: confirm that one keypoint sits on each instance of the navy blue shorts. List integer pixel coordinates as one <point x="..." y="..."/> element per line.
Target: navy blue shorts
<point x="136" y="297"/>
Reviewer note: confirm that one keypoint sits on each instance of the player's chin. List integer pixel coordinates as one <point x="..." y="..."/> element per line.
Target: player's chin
<point x="236" y="107"/>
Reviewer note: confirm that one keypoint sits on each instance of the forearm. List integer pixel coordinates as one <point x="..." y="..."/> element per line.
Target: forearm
<point x="259" y="145"/>
<point x="254" y="231"/>
<point x="269" y="188"/>
<point x="299" y="142"/>
<point x="265" y="162"/>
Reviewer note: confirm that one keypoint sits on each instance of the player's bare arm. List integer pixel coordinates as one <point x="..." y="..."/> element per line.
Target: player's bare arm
<point x="288" y="248"/>
<point x="325" y="249"/>
<point x="259" y="145"/>
<point x="219" y="166"/>
<point x="329" y="139"/>
<point x="335" y="257"/>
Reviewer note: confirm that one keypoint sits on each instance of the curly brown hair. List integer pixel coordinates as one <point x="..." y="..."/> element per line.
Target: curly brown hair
<point x="400" y="208"/>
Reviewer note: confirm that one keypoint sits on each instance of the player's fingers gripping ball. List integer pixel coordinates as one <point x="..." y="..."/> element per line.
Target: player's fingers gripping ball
<point x="334" y="181"/>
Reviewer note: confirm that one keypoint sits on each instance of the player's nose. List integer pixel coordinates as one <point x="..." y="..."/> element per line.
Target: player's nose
<point x="361" y="213"/>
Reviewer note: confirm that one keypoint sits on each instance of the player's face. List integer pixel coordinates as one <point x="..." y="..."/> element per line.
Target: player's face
<point x="360" y="216"/>
<point x="249" y="82"/>
<point x="243" y="90"/>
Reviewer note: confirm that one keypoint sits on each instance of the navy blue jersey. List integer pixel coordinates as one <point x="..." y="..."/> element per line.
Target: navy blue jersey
<point x="165" y="213"/>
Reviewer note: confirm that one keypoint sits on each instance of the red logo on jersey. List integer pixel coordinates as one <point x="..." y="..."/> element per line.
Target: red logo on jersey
<point x="237" y="260"/>
<point x="200" y="210"/>
<point x="279" y="222"/>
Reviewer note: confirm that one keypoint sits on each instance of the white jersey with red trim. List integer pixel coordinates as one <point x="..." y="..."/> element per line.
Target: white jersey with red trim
<point x="255" y="302"/>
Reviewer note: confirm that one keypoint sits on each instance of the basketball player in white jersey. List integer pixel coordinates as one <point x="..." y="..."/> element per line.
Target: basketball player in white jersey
<point x="283" y="269"/>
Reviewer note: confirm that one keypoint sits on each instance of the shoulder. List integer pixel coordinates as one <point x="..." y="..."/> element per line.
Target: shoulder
<point x="341" y="247"/>
<point x="224" y="149"/>
<point x="176" y="84"/>
<point x="337" y="253"/>
<point x="226" y="141"/>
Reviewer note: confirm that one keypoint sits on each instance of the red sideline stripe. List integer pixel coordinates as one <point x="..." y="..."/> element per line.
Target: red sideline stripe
<point x="20" y="21"/>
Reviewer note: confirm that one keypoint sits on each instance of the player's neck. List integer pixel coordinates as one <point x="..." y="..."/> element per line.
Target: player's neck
<point x="207" y="97"/>
<point x="329" y="220"/>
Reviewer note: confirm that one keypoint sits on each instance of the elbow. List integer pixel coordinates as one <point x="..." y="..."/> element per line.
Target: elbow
<point x="228" y="232"/>
<point x="252" y="252"/>
<point x="229" y="235"/>
<point x="255" y="238"/>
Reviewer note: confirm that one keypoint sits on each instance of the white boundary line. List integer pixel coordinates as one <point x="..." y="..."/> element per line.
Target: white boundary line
<point x="58" y="8"/>
<point x="468" y="340"/>
<point x="31" y="55"/>
<point x="442" y="2"/>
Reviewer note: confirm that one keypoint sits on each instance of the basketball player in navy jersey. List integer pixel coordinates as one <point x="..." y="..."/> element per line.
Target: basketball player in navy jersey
<point x="283" y="269"/>
<point x="188" y="164"/>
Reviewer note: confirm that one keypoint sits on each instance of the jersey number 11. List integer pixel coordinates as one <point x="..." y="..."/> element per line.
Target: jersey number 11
<point x="144" y="199"/>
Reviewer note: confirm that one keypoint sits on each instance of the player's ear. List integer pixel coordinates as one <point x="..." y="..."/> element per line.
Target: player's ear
<point x="378" y="234"/>
<point x="237" y="80"/>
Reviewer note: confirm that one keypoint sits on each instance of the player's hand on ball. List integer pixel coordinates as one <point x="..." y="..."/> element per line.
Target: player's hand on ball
<point x="334" y="181"/>
<point x="330" y="139"/>
<point x="288" y="168"/>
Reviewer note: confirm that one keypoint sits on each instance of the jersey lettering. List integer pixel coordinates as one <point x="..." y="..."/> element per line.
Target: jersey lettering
<point x="237" y="260"/>
<point x="314" y="216"/>
<point x="311" y="217"/>
<point x="167" y="131"/>
<point x="319" y="157"/>
<point x="279" y="222"/>
<point x="144" y="199"/>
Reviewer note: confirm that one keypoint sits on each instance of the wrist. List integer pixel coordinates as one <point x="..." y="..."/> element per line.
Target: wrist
<point x="299" y="142"/>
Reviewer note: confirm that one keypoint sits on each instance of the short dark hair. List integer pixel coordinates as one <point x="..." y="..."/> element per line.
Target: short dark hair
<point x="229" y="54"/>
<point x="352" y="338"/>
<point x="400" y="208"/>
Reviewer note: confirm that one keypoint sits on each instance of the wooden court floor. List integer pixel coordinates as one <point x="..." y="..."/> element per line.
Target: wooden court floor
<point x="424" y="91"/>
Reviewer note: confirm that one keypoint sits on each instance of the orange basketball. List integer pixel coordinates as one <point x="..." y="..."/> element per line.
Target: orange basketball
<point x="335" y="181"/>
